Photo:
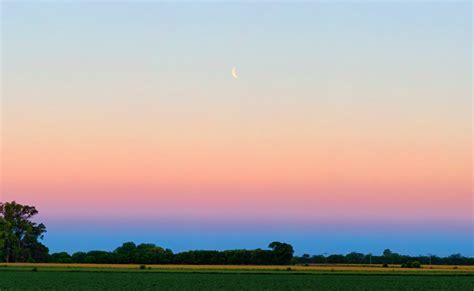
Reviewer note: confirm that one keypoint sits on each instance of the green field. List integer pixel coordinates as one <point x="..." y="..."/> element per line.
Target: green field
<point x="88" y="279"/>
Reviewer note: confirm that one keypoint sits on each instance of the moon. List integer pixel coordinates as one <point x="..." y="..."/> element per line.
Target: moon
<point x="234" y="73"/>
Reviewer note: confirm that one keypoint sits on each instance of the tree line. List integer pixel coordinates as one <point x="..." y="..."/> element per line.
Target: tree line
<point x="20" y="242"/>
<point x="130" y="253"/>
<point x="388" y="257"/>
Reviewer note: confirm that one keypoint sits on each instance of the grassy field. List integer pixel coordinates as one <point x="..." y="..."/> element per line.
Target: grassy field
<point x="186" y="277"/>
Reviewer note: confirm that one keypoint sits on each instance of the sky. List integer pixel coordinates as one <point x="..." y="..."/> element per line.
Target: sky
<point x="349" y="127"/>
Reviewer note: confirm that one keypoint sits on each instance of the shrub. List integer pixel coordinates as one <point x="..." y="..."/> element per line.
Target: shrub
<point x="142" y="267"/>
<point x="385" y="265"/>
<point x="411" y="264"/>
<point x="34" y="269"/>
<point x="415" y="264"/>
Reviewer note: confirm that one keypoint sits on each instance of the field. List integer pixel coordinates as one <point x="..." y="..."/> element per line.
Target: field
<point x="185" y="277"/>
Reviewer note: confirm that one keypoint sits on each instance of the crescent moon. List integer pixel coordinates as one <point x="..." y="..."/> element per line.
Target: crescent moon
<point x="234" y="73"/>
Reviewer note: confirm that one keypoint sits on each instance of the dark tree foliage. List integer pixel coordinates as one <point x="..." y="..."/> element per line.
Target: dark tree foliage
<point x="19" y="235"/>
<point x="130" y="253"/>
<point x="387" y="257"/>
<point x="337" y="259"/>
<point x="62" y="258"/>
<point x="228" y="257"/>
<point x="355" y="258"/>
<point x="143" y="254"/>
<point x="282" y="253"/>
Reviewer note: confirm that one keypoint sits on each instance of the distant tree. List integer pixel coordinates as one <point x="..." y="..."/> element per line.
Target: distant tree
<point x="355" y="258"/>
<point x="61" y="258"/>
<point x="396" y="258"/>
<point x="305" y="259"/>
<point x="19" y="235"/>
<point x="260" y="257"/>
<point x="98" y="257"/>
<point x="79" y="257"/>
<point x="387" y="254"/>
<point x="126" y="253"/>
<point x="336" y="259"/>
<point x="152" y="254"/>
<point x="456" y="259"/>
<point x="318" y="259"/>
<point x="283" y="252"/>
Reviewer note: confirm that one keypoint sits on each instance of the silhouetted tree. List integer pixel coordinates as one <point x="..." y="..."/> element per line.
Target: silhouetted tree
<point x="126" y="253"/>
<point x="62" y="258"/>
<point x="79" y="257"/>
<point x="336" y="259"/>
<point x="282" y="252"/>
<point x="387" y="254"/>
<point x="355" y="258"/>
<point x="98" y="257"/>
<point x="152" y="254"/>
<point x="19" y="235"/>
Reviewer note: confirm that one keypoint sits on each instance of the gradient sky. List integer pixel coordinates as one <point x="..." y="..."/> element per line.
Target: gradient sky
<point x="349" y="128"/>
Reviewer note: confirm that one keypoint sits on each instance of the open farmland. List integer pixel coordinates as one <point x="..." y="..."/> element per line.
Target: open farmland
<point x="244" y="268"/>
<point x="179" y="277"/>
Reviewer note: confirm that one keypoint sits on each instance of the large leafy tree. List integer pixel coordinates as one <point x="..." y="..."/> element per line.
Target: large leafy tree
<point x="282" y="252"/>
<point x="19" y="235"/>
